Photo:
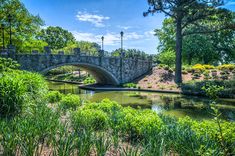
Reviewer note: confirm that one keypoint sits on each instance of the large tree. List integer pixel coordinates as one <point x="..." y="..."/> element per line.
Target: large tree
<point x="90" y="48"/>
<point x="24" y="24"/>
<point x="129" y="53"/>
<point x="56" y="37"/>
<point x="213" y="48"/>
<point x="186" y="13"/>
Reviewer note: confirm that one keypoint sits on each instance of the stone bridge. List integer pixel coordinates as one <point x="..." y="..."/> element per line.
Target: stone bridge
<point x="105" y="69"/>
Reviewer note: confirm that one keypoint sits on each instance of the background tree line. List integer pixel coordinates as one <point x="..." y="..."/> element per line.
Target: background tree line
<point x="28" y="33"/>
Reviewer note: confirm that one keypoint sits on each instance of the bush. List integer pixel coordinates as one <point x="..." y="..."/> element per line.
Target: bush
<point x="137" y="122"/>
<point x="193" y="88"/>
<point x="184" y="72"/>
<point x="18" y="88"/>
<point x="13" y="95"/>
<point x="35" y="84"/>
<point x="130" y="85"/>
<point x="207" y="66"/>
<point x="54" y="96"/>
<point x="90" y="119"/>
<point x="70" y="101"/>
<point x="89" y="80"/>
<point x="226" y="67"/>
<point x="7" y="64"/>
<point x="198" y="68"/>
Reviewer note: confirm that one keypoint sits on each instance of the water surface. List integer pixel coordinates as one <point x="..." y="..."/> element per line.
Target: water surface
<point x="171" y="104"/>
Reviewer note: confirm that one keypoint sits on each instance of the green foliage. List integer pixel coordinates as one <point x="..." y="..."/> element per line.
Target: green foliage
<point x="24" y="25"/>
<point x="195" y="87"/>
<point x="89" y="80"/>
<point x="7" y="64"/>
<point x="212" y="90"/>
<point x="30" y="133"/>
<point x="130" y="85"/>
<point x="226" y="67"/>
<point x="130" y="53"/>
<point x="17" y="89"/>
<point x="198" y="68"/>
<point x="89" y="48"/>
<point x="32" y="44"/>
<point x="70" y="101"/>
<point x="54" y="96"/>
<point x="56" y="37"/>
<point x="90" y="119"/>
<point x="13" y="94"/>
<point x="167" y="57"/>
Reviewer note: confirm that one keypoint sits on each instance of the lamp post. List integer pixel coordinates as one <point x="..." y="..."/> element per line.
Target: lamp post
<point x="121" y="33"/>
<point x="3" y="41"/>
<point x="102" y="46"/>
<point x="10" y="20"/>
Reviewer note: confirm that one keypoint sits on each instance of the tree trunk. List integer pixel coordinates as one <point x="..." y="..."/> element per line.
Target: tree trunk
<point x="178" y="65"/>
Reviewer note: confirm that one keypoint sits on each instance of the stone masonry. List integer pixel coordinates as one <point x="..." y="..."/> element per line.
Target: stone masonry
<point x="106" y="70"/>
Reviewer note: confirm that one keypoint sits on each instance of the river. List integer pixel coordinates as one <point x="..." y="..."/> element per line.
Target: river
<point x="170" y="104"/>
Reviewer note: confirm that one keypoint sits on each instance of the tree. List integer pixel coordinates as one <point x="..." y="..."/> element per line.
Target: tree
<point x="213" y="48"/>
<point x="129" y="53"/>
<point x="32" y="44"/>
<point x="90" y="48"/>
<point x="56" y="37"/>
<point x="24" y="24"/>
<point x="186" y="13"/>
<point x="167" y="57"/>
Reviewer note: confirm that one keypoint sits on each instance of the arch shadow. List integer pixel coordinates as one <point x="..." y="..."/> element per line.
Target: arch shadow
<point x="101" y="75"/>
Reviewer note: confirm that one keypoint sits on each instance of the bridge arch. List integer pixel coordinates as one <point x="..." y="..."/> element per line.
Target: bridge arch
<point x="101" y="75"/>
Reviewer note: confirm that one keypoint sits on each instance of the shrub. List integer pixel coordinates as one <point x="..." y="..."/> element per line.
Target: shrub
<point x="188" y="69"/>
<point x="211" y="129"/>
<point x="137" y="122"/>
<point x="226" y="67"/>
<point x="7" y="64"/>
<point x="206" y="74"/>
<point x="89" y="80"/>
<point x="90" y="119"/>
<point x="54" y="96"/>
<point x="70" y="101"/>
<point x="13" y="94"/>
<point x="207" y="66"/>
<point x="198" y="68"/>
<point x="193" y="87"/>
<point x="35" y="84"/>
<point x="18" y="88"/>
<point x="170" y="70"/>
<point x="196" y="75"/>
<point x="184" y="72"/>
<point x="130" y="85"/>
<point x="105" y="105"/>
<point x="166" y="67"/>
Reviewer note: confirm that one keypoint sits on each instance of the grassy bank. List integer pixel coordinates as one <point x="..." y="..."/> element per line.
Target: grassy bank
<point x="35" y="121"/>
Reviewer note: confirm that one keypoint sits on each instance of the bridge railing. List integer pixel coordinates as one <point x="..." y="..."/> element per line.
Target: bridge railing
<point x="76" y="51"/>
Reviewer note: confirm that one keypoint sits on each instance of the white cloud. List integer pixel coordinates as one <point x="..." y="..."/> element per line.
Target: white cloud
<point x="97" y="20"/>
<point x="109" y="38"/>
<point x="124" y="27"/>
<point x="149" y="34"/>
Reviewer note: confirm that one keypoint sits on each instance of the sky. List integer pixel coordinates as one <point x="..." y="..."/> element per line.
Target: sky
<point x="89" y="20"/>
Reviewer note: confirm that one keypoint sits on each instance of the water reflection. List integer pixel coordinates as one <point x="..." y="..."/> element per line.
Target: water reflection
<point x="171" y="104"/>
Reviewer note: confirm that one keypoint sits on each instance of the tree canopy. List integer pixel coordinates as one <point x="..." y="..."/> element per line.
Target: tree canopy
<point x="214" y="48"/>
<point x="24" y="24"/>
<point x="56" y="37"/>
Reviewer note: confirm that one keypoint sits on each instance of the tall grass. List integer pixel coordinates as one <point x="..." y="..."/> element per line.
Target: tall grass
<point x="97" y="128"/>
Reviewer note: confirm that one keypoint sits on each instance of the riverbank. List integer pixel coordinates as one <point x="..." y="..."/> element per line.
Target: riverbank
<point x="95" y="87"/>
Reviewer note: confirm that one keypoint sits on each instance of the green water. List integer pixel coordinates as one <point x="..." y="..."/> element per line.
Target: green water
<point x="171" y="104"/>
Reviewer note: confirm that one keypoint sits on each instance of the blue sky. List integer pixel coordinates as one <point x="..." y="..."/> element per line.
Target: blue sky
<point x="90" y="19"/>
